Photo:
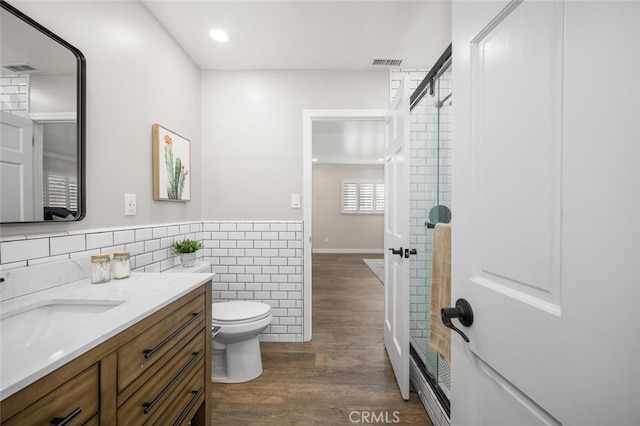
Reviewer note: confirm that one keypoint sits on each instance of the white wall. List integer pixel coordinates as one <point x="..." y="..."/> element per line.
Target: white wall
<point x="137" y="75"/>
<point x="53" y="93"/>
<point x="345" y="232"/>
<point x="252" y="127"/>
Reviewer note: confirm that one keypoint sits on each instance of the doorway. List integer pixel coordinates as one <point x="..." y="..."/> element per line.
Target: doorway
<point x="327" y="119"/>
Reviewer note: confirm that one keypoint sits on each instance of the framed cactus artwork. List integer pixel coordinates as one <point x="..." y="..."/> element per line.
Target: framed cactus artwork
<point x="171" y="165"/>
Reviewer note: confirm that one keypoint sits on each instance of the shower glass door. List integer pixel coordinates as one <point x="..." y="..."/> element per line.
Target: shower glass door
<point x="430" y="204"/>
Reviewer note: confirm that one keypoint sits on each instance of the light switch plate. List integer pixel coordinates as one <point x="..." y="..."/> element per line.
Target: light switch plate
<point x="129" y="204"/>
<point x="295" y="201"/>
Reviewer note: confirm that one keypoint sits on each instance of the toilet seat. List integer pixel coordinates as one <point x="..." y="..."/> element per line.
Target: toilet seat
<point x="239" y="312"/>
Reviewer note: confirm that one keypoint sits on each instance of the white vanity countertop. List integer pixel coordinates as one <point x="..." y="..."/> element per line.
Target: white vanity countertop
<point x="141" y="295"/>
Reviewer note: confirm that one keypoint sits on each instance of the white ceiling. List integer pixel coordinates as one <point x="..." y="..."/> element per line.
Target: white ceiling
<point x="303" y="34"/>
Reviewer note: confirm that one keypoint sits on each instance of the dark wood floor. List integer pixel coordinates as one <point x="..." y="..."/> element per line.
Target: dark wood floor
<point x="343" y="376"/>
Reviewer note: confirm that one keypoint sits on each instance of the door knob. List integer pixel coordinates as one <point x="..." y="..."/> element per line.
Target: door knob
<point x="398" y="252"/>
<point x="463" y="312"/>
<point x="408" y="252"/>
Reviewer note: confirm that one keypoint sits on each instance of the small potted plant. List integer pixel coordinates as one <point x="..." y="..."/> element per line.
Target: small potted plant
<point x="187" y="250"/>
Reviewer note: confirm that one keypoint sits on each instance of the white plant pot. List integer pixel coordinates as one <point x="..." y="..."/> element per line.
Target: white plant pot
<point x="188" y="259"/>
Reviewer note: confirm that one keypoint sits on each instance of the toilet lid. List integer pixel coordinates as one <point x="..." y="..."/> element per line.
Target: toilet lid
<point x="239" y="311"/>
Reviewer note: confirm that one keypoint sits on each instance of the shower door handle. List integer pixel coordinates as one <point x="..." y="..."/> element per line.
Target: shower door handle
<point x="463" y="312"/>
<point x="399" y="252"/>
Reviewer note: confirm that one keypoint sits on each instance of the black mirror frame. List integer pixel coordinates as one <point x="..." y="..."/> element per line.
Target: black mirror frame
<point x="80" y="113"/>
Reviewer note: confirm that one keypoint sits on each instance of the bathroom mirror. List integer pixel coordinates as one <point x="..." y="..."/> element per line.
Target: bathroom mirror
<point x="42" y="91"/>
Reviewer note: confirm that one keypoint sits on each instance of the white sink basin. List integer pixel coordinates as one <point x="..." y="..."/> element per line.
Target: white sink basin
<point x="20" y="328"/>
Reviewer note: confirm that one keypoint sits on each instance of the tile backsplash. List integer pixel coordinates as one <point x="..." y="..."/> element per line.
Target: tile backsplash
<point x="253" y="260"/>
<point x="149" y="246"/>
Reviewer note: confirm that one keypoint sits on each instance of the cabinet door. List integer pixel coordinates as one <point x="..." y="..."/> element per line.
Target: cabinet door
<point x="76" y="400"/>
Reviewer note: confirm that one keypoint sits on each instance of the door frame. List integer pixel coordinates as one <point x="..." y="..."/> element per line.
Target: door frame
<point x="308" y="117"/>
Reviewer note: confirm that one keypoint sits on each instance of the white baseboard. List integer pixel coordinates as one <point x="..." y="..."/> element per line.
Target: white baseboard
<point x="346" y="251"/>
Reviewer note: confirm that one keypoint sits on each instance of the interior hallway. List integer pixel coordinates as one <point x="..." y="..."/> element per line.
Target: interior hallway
<point x="343" y="376"/>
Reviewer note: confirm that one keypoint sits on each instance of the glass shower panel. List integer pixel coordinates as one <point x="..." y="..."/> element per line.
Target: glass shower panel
<point x="430" y="204"/>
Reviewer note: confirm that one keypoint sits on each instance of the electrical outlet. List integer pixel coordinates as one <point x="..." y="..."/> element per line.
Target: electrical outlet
<point x="129" y="204"/>
<point x="326" y="239"/>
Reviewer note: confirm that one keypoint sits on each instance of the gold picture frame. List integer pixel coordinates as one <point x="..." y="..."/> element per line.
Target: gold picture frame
<point x="171" y="165"/>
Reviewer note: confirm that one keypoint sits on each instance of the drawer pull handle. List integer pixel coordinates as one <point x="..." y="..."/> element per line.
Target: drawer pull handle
<point x="64" y="420"/>
<point x="193" y="400"/>
<point x="148" y="406"/>
<point x="149" y="352"/>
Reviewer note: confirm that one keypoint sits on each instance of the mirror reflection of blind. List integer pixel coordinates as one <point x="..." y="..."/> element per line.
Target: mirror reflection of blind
<point x="60" y="190"/>
<point x="362" y="196"/>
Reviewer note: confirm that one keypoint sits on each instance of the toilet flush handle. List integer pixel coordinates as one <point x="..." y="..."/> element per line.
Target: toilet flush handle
<point x="215" y="330"/>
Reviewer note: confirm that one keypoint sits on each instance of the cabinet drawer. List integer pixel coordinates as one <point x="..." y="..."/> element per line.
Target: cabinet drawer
<point x="186" y="402"/>
<point x="153" y="397"/>
<point x="77" y="398"/>
<point x="143" y="351"/>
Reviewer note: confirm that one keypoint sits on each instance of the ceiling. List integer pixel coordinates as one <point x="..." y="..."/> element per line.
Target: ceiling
<point x="303" y="34"/>
<point x="348" y="142"/>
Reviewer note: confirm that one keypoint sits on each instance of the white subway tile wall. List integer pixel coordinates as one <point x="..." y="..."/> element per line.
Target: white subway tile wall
<point x="14" y="94"/>
<point x="260" y="261"/>
<point x="431" y="139"/>
<point x="253" y="260"/>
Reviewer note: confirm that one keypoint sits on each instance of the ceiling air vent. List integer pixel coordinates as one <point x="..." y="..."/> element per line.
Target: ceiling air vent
<point x="378" y="62"/>
<point x="20" y="68"/>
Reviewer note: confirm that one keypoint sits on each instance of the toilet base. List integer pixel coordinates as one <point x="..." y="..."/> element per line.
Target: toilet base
<point x="236" y="362"/>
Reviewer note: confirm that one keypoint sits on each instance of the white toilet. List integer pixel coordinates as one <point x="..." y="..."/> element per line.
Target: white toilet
<point x="236" y="326"/>
<point x="236" y="348"/>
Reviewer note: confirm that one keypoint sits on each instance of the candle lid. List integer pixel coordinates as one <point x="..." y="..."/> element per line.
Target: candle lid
<point x="121" y="254"/>
<point x="100" y="256"/>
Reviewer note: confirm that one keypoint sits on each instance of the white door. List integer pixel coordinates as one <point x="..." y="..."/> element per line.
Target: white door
<point x="396" y="237"/>
<point x="16" y="168"/>
<point x="546" y="230"/>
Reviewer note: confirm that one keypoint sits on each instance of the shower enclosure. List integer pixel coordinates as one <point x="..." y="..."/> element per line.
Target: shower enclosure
<point x="430" y="195"/>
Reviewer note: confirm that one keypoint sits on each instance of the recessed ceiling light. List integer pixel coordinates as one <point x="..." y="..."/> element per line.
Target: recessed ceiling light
<point x="380" y="159"/>
<point x="314" y="159"/>
<point x="219" y="35"/>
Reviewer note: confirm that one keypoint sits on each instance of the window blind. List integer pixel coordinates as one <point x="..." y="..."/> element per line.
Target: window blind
<point x="362" y="196"/>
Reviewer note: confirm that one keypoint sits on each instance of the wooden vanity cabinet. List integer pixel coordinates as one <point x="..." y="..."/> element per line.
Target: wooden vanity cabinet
<point x="158" y="371"/>
<point x="75" y="401"/>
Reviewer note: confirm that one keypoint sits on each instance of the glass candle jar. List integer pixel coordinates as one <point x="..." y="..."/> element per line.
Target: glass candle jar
<point x="120" y="266"/>
<point x="100" y="268"/>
